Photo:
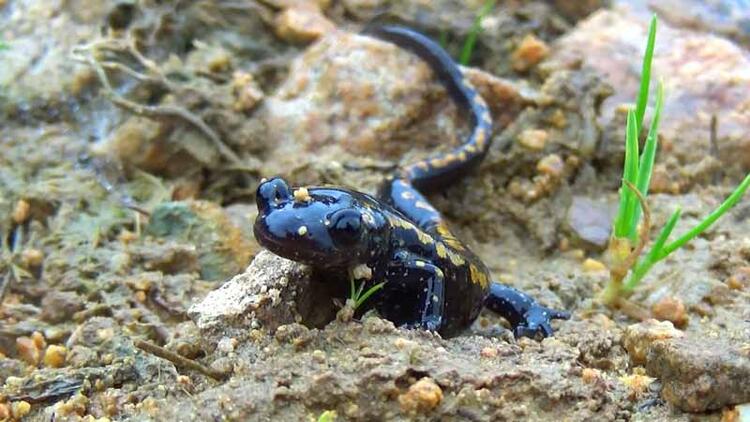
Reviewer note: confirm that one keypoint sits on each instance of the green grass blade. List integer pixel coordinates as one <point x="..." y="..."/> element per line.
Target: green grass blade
<point x="646" y="163"/>
<point x="708" y="221"/>
<point x="621" y="223"/>
<point x="443" y="38"/>
<point x="664" y="235"/>
<point x="628" y="201"/>
<point x="471" y="39"/>
<point x="640" y="109"/>
<point x="368" y="293"/>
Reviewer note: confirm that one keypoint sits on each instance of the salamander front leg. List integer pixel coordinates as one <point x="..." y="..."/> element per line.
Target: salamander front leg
<point x="527" y="317"/>
<point x="417" y="272"/>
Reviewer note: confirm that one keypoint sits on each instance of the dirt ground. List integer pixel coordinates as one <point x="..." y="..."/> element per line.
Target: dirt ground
<point x="133" y="135"/>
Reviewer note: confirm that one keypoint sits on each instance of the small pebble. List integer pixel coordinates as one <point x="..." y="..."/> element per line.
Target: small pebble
<point x="302" y="24"/>
<point x="529" y="52"/>
<point x="488" y="352"/>
<point x="552" y="165"/>
<point x="402" y="343"/>
<point x="227" y="344"/>
<point x="55" y="356"/>
<point x="21" y="212"/>
<point x="592" y="265"/>
<point x="533" y="139"/>
<point x="20" y="409"/>
<point x="127" y="237"/>
<point x="422" y="396"/>
<point x="319" y="356"/>
<point x="637" y="383"/>
<point x="246" y="92"/>
<point x="140" y="296"/>
<point x="590" y="375"/>
<point x="670" y="309"/>
<point x="739" y="279"/>
<point x="32" y="258"/>
<point x="28" y="350"/>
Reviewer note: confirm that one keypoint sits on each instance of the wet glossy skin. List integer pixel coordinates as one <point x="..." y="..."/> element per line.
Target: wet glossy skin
<point x="432" y="279"/>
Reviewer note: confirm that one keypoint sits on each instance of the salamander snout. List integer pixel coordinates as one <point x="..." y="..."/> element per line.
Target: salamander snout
<point x="273" y="193"/>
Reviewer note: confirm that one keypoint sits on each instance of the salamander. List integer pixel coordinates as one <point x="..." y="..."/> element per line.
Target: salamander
<point x="431" y="278"/>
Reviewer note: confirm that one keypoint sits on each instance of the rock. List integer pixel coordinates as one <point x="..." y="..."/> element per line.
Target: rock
<point x="728" y="18"/>
<point x="273" y="291"/>
<point x="55" y="355"/>
<point x="529" y="52"/>
<point x="638" y="338"/>
<point x="700" y="374"/>
<point x="670" y="309"/>
<point x="704" y="76"/>
<point x="350" y="96"/>
<point x="422" y="396"/>
<point x="222" y="248"/>
<point x="533" y="139"/>
<point x="302" y="24"/>
<point x="590" y="222"/>
<point x="58" y="306"/>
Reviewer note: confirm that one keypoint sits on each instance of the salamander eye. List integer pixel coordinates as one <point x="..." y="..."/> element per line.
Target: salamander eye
<point x="346" y="227"/>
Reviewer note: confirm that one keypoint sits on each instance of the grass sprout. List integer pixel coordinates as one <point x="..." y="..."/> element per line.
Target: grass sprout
<point x="628" y="242"/>
<point x="476" y="28"/>
<point x="359" y="295"/>
<point x="327" y="416"/>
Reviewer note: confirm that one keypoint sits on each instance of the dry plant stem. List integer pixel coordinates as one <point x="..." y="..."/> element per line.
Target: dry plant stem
<point x="157" y="112"/>
<point x="4" y="287"/>
<point x="612" y="294"/>
<point x="177" y="360"/>
<point x="632" y="309"/>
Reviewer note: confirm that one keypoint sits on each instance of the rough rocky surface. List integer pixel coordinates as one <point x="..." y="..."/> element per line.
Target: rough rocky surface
<point x="272" y="291"/>
<point x="116" y="219"/>
<point x="698" y="375"/>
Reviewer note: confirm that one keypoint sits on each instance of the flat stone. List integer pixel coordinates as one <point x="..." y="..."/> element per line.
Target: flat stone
<point x="700" y="374"/>
<point x="590" y="221"/>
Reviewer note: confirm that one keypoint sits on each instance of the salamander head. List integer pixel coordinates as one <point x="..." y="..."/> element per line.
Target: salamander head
<point x="320" y="226"/>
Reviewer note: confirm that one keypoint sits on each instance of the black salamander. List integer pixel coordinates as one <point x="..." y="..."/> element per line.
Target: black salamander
<point x="432" y="279"/>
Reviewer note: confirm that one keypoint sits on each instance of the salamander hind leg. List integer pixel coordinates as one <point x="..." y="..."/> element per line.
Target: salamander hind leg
<point x="527" y="317"/>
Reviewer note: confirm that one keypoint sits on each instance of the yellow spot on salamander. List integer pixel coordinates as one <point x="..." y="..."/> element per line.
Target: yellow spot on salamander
<point x="455" y="258"/>
<point x="302" y="230"/>
<point x="447" y="236"/>
<point x="478" y="276"/>
<point x="407" y="195"/>
<point x="471" y="148"/>
<point x="486" y="117"/>
<point x="442" y="252"/>
<point x="423" y="237"/>
<point x="422" y="165"/>
<point x="302" y="195"/>
<point x="480" y="137"/>
<point x="420" y="264"/>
